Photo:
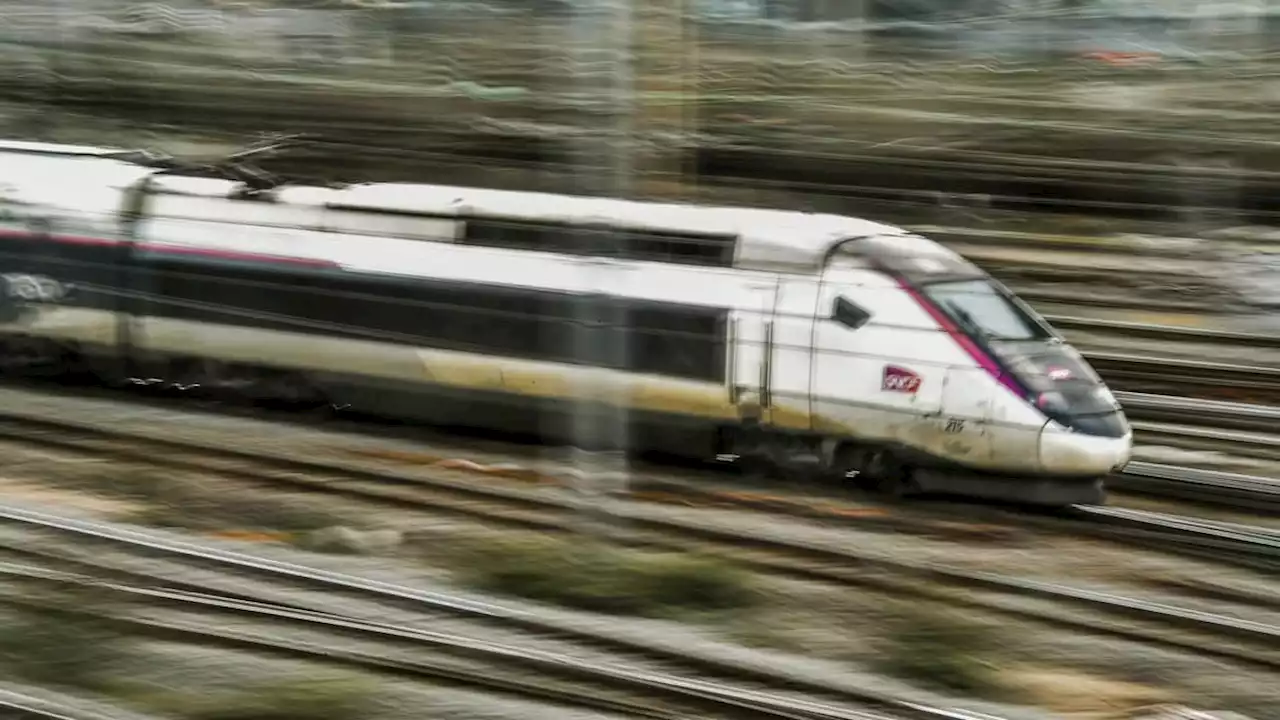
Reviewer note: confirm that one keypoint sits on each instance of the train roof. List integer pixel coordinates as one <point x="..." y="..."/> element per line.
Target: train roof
<point x="68" y="181"/>
<point x="89" y="178"/>
<point x="753" y="238"/>
<point x="917" y="258"/>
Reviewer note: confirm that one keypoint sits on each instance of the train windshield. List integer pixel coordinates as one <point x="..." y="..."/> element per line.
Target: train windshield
<point x="983" y="309"/>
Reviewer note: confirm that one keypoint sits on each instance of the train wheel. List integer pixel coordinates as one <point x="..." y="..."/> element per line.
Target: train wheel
<point x="848" y="463"/>
<point x="752" y="445"/>
<point x="891" y="476"/>
<point x="294" y="391"/>
<point x="186" y="376"/>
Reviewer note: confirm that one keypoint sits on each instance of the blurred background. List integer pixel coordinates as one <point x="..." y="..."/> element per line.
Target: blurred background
<point x="1111" y="161"/>
<point x="983" y="122"/>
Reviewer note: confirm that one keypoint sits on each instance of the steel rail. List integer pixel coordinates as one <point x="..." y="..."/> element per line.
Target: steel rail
<point x="1117" y="366"/>
<point x="1187" y="377"/>
<point x="1165" y="332"/>
<point x="1171" y="407"/>
<point x="1239" y="444"/>
<point x="45" y="704"/>
<point x="1241" y="429"/>
<point x="1269" y="536"/>
<point x="764" y="703"/>
<point x="30" y="707"/>
<point x="1207" y="486"/>
<point x="699" y="692"/>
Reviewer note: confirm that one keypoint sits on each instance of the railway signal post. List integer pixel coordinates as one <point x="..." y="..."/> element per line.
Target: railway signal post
<point x="601" y="46"/>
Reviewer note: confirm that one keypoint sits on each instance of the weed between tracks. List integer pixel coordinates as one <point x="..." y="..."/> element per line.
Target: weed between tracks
<point x="601" y="578"/>
<point x="942" y="649"/>
<point x="190" y="505"/>
<point x="313" y="698"/>
<point x="163" y="499"/>
<point x="45" y="641"/>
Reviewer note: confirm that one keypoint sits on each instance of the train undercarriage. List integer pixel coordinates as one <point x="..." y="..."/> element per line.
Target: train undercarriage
<point x="754" y="450"/>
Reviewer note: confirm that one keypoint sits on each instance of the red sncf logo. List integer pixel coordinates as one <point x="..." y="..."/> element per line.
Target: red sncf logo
<point x="1059" y="373"/>
<point x="899" y="379"/>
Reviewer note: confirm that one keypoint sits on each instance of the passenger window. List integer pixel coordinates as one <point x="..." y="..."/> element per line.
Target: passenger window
<point x="848" y="314"/>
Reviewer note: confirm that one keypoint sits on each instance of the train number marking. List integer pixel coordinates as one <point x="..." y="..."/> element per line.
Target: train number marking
<point x="954" y="426"/>
<point x="1059" y="373"/>
<point x="34" y="288"/>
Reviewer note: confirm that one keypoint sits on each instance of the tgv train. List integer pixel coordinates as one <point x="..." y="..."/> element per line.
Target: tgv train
<point x="780" y="337"/>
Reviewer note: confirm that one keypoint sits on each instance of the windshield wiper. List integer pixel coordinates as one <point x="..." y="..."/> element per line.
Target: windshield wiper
<point x="967" y="319"/>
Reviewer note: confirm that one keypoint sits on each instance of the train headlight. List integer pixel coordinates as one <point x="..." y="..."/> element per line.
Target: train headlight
<point x="1051" y="402"/>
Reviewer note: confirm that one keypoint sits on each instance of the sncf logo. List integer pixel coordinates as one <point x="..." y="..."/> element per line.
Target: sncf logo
<point x="899" y="379"/>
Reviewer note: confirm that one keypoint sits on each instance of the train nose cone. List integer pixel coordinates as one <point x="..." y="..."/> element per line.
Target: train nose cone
<point x="1063" y="452"/>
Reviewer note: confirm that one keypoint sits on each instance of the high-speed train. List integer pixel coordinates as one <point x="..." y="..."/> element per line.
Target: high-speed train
<point x="860" y="348"/>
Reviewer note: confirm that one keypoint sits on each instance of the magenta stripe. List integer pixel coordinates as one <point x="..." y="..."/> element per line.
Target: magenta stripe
<point x="236" y="255"/>
<point x="980" y="356"/>
<point x="66" y="239"/>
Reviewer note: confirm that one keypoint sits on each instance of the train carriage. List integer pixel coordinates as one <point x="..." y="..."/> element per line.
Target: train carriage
<point x="747" y="332"/>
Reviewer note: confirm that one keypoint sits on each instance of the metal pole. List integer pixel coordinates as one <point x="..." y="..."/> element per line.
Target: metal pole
<point x="601" y="35"/>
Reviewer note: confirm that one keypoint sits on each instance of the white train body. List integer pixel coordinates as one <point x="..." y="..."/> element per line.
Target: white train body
<point x="417" y="298"/>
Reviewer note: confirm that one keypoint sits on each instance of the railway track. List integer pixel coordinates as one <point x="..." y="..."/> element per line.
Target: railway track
<point x="1207" y="364"/>
<point x="645" y="525"/>
<point x="1206" y="634"/>
<point x="1171" y="333"/>
<point x="1238" y="433"/>
<point x="1200" y="412"/>
<point x="28" y="703"/>
<point x="641" y="681"/>
<point x="525" y="672"/>
<point x="1187" y="378"/>
<point x="1214" y="487"/>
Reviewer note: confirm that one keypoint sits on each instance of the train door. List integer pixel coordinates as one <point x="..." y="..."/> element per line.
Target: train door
<point x="862" y="385"/>
<point x="750" y="362"/>
<point x="791" y="354"/>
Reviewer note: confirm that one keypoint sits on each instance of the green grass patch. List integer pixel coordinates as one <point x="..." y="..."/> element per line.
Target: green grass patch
<point x="942" y="649"/>
<point x="216" y="511"/>
<point x="210" y="505"/>
<point x="335" y="697"/>
<point x="601" y="578"/>
<point x="46" y="639"/>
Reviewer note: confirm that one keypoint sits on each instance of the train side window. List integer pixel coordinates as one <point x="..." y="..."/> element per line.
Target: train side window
<point x="848" y="314"/>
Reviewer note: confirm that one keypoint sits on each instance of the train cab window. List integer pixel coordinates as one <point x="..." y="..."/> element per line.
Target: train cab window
<point x="983" y="309"/>
<point x="848" y="314"/>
